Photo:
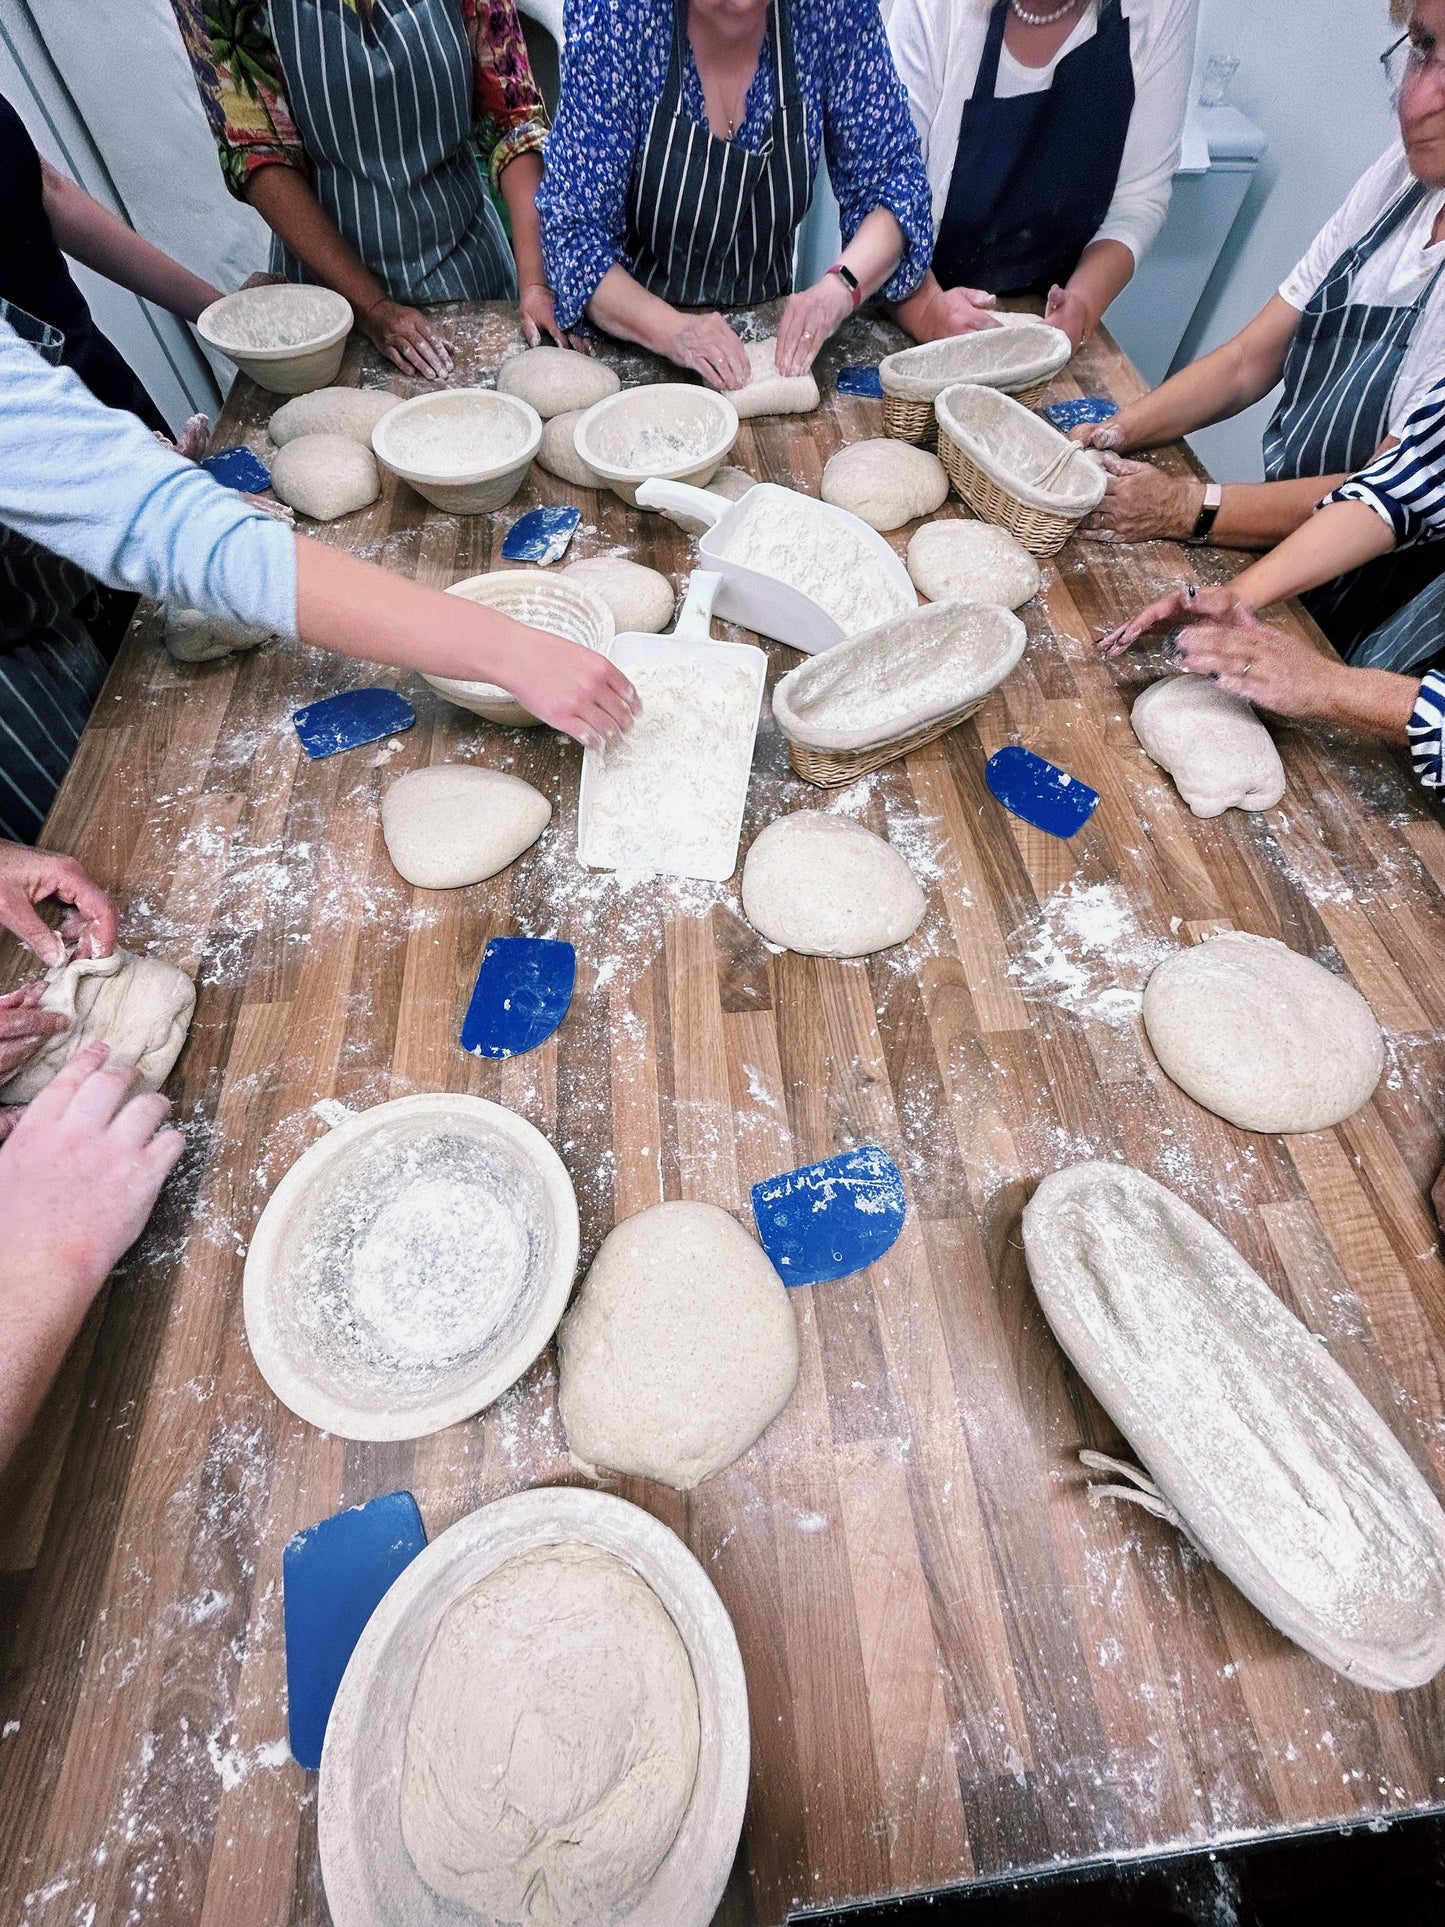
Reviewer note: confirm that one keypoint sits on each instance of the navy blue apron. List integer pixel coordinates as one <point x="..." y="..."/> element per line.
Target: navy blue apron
<point x="1339" y="375"/>
<point x="711" y="225"/>
<point x="1034" y="175"/>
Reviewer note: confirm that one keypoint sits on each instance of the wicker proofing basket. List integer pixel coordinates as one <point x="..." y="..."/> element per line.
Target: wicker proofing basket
<point x="915" y="421"/>
<point x="833" y="769"/>
<point x="1019" y="358"/>
<point x="975" y="426"/>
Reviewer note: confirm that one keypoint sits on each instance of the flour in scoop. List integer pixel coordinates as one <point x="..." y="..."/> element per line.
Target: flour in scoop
<point x="667" y="796"/>
<point x="823" y="558"/>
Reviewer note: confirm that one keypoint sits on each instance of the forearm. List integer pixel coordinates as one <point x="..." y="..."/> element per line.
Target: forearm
<point x="284" y="200"/>
<point x="875" y="250"/>
<point x="39" y="1318"/>
<point x="1333" y="540"/>
<point x="1105" y="269"/>
<point x="519" y="182"/>
<point x="626" y="309"/>
<point x="1374" y="700"/>
<point x="100" y="240"/>
<point x="1235" y="376"/>
<point x="1256" y="515"/>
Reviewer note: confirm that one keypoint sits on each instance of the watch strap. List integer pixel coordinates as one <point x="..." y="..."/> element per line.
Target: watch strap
<point x="850" y="281"/>
<point x="1208" y="509"/>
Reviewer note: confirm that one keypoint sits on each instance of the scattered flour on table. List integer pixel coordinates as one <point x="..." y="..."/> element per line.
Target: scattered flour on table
<point x="821" y="558"/>
<point x="659" y="448"/>
<point x="1085" y="952"/>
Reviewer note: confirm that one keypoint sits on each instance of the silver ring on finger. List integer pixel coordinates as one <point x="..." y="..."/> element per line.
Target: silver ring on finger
<point x="1246" y="669"/>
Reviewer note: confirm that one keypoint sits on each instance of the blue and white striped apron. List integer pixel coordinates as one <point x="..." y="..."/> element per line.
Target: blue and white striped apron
<point x="383" y="105"/>
<point x="1339" y="376"/>
<point x="50" y="675"/>
<point x="711" y="225"/>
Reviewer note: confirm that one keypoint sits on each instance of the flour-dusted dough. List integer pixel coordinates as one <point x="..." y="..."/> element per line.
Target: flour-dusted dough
<point x="352" y="412"/>
<point x="556" y="380"/>
<point x="827" y="887"/>
<point x="553" y="1742"/>
<point x="884" y="482"/>
<point x="642" y="600"/>
<point x="769" y="393"/>
<point x="1262" y="1036"/>
<point x="193" y="636"/>
<point x="140" y="1006"/>
<point x="680" y="1349"/>
<point x="557" y="452"/>
<point x="957" y="561"/>
<point x="452" y="825"/>
<point x="734" y="483"/>
<point x="325" y="476"/>
<point x="1264" y="1449"/>
<point x="1219" y="753"/>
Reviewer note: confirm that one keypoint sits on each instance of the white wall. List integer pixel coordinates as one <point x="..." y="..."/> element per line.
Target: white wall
<point x="1309" y="77"/>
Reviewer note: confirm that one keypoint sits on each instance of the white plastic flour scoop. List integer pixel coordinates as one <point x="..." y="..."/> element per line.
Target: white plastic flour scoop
<point x="669" y="798"/>
<point x="859" y="580"/>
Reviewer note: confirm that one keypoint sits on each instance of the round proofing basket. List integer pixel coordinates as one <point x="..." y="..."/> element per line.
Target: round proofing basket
<point x="629" y="438"/>
<point x="976" y="425"/>
<point x="542" y="602"/>
<point x="308" y="326"/>
<point x="500" y="433"/>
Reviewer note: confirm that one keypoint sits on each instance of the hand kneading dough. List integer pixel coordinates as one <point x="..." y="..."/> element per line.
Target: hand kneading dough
<point x="140" y="1006"/>
<point x="1262" y="1036"/>
<point x="552" y="1744"/>
<point x="556" y="380"/>
<point x="324" y="476"/>
<point x="557" y="452"/>
<point x="825" y="886"/>
<point x="679" y="1350"/>
<point x="1219" y="753"/>
<point x="452" y="825"/>
<point x="885" y="483"/>
<point x="956" y="561"/>
<point x="193" y="636"/>
<point x="352" y="412"/>
<point x="641" y="600"/>
<point x="769" y="393"/>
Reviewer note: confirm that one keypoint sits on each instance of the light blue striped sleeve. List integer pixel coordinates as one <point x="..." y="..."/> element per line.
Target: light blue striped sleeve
<point x="94" y="485"/>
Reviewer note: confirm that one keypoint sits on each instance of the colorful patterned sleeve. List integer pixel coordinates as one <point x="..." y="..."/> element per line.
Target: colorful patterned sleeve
<point x="239" y="78"/>
<point x="508" y="117"/>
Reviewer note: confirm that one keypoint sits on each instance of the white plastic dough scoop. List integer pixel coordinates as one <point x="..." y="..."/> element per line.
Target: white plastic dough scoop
<point x="704" y="754"/>
<point x="761" y="602"/>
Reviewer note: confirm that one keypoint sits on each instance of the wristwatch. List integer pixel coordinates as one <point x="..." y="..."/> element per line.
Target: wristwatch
<point x="849" y="280"/>
<point x="1209" y="508"/>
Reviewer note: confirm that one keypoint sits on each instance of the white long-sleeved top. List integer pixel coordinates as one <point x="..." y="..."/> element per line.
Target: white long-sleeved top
<point x="94" y="485"/>
<point x="937" y="46"/>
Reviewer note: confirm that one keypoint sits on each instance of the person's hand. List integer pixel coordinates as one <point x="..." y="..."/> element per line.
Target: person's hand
<point x="1180" y="605"/>
<point x="706" y="344"/>
<point x="406" y="337"/>
<point x="1142" y="504"/>
<point x="23" y="1029"/>
<point x="28" y="877"/>
<point x="1065" y="309"/>
<point x="539" y="317"/>
<point x="1272" y="668"/>
<point x="1115" y="433"/>
<point x="930" y="313"/>
<point x="263" y="280"/>
<point x="80" y="1171"/>
<point x="809" y="318"/>
<point x="194" y="439"/>
<point x="574" y="689"/>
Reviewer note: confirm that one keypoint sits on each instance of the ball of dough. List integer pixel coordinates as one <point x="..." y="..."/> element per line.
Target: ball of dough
<point x="193" y="636"/>
<point x="552" y="1742"/>
<point x="1262" y="1036"/>
<point x="1219" y="753"/>
<point x="556" y="380"/>
<point x="679" y="1350"/>
<point x="885" y="483"/>
<point x="956" y="561"/>
<point x="825" y="886"/>
<point x="557" y="452"/>
<point x="352" y="412"/>
<point x="453" y="825"/>
<point x="641" y="600"/>
<point x="766" y="392"/>
<point x="324" y="476"/>
<point x="734" y="483"/>
<point x="140" y="1006"/>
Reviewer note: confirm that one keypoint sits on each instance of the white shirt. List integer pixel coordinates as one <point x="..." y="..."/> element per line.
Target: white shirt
<point x="938" y="44"/>
<point x="1393" y="277"/>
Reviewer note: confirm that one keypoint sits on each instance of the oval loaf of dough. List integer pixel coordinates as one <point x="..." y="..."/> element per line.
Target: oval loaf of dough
<point x="140" y="1006"/>
<point x="958" y="561"/>
<point x="679" y="1350"/>
<point x="825" y="886"/>
<point x="325" y="476"/>
<point x="556" y="380"/>
<point x="452" y="825"/>
<point x="352" y="412"/>
<point x="557" y="452"/>
<point x="766" y="392"/>
<point x="885" y="483"/>
<point x="1219" y="753"/>
<point x="1262" y="1036"/>
<point x="641" y="600"/>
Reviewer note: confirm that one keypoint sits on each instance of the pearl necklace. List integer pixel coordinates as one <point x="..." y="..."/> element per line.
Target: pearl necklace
<point x="1043" y="19"/>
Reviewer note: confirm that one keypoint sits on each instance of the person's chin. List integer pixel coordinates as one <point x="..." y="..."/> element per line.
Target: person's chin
<point x="1425" y="153"/>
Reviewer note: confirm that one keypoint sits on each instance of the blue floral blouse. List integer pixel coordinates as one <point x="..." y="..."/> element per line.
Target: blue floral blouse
<point x="614" y="75"/>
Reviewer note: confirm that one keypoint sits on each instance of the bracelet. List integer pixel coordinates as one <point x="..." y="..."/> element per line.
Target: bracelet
<point x="850" y="281"/>
<point x="1208" y="509"/>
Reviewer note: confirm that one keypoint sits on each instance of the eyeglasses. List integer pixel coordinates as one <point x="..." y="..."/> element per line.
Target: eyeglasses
<point x="1406" y="61"/>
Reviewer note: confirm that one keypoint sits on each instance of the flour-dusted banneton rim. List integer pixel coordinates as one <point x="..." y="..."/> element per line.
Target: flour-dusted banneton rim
<point x="542" y="601"/>
<point x="899" y="676"/>
<point x="1262" y="1036"/>
<point x="410" y="1266"/>
<point x="370" y="1877"/>
<point x="669" y="430"/>
<point x="1015" y="447"/>
<point x="1275" y="1463"/>
<point x="288" y="339"/>
<point x="465" y="450"/>
<point x="1021" y="353"/>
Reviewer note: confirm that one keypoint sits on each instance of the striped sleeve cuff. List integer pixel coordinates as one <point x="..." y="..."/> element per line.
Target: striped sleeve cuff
<point x="1425" y="732"/>
<point x="1386" y="506"/>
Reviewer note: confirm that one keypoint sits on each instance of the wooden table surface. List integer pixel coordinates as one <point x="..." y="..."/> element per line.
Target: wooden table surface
<point x="957" y="1668"/>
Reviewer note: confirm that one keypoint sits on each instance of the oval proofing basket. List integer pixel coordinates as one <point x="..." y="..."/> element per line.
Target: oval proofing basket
<point x="1013" y="469"/>
<point x="1019" y="358"/>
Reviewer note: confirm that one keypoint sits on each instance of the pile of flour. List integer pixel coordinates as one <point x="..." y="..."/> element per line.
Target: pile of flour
<point x="660" y="448"/>
<point x="824" y="559"/>
<point x="458" y="438"/>
<point x="670" y="788"/>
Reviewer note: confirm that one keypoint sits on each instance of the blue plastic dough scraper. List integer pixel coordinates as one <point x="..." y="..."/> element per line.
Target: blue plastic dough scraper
<point x="860" y="381"/>
<point x="541" y="535"/>
<point x="1038" y="791"/>
<point x="238" y="468"/>
<point x="523" y="991"/>
<point x="333" y="1578"/>
<point x="825" y="1220"/>
<point x="354" y="717"/>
